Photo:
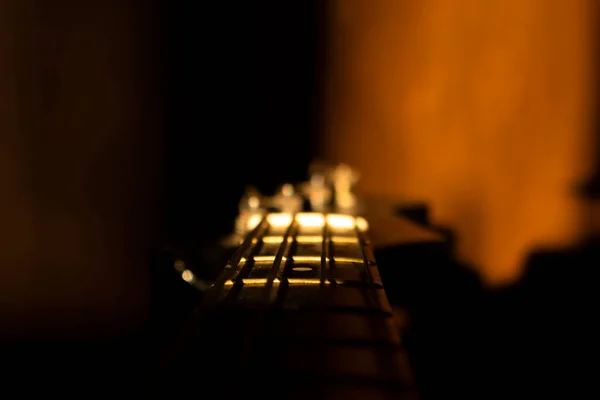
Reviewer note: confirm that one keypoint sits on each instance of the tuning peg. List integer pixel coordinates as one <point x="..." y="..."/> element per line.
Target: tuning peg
<point x="251" y="199"/>
<point x="287" y="200"/>
<point x="249" y="211"/>
<point x="317" y="190"/>
<point x="343" y="178"/>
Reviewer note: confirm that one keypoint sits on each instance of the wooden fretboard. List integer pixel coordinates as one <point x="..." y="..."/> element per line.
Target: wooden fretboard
<point x="299" y="309"/>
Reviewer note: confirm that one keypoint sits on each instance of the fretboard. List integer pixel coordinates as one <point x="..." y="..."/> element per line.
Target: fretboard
<point x="300" y="304"/>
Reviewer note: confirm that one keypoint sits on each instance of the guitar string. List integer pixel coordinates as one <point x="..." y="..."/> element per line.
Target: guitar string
<point x="254" y="346"/>
<point x="196" y="321"/>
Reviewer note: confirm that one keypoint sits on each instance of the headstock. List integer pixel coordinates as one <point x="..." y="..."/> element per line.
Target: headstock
<point x="329" y="189"/>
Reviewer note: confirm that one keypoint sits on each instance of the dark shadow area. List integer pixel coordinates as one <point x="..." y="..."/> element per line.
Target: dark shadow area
<point x="533" y="338"/>
<point x="244" y="102"/>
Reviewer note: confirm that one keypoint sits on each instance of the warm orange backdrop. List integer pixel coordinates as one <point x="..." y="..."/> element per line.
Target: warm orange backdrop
<point x="481" y="108"/>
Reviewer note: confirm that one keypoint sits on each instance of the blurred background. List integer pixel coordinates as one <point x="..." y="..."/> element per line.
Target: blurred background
<point x="129" y="124"/>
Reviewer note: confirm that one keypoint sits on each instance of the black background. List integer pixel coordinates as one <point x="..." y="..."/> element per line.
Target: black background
<point x="243" y="96"/>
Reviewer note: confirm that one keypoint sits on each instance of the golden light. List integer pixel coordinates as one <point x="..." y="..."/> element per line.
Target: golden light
<point x="309" y="239"/>
<point x="272" y="239"/>
<point x="287" y="189"/>
<point x="307" y="259"/>
<point x="253" y="202"/>
<point x="279" y="220"/>
<point x="362" y="224"/>
<point x="187" y="275"/>
<point x="301" y="281"/>
<point x="254" y="281"/>
<point x="344" y="239"/>
<point x="340" y="221"/>
<point x="310" y="220"/>
<point x="267" y="258"/>
<point x="253" y="221"/>
<point x="349" y="260"/>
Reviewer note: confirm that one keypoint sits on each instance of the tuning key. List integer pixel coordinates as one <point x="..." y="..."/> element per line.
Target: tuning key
<point x="343" y="178"/>
<point x="318" y="191"/>
<point x="250" y="209"/>
<point x="287" y="200"/>
<point x="250" y="200"/>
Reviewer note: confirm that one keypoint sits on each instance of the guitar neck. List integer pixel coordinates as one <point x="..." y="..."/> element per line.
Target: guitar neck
<point x="301" y="306"/>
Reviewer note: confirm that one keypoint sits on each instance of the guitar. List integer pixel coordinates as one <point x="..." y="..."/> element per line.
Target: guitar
<point x="300" y="308"/>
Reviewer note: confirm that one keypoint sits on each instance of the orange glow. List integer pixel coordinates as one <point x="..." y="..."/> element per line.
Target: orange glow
<point x="480" y="108"/>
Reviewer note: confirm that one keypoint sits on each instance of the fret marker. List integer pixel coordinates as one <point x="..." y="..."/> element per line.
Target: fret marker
<point x="302" y="269"/>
